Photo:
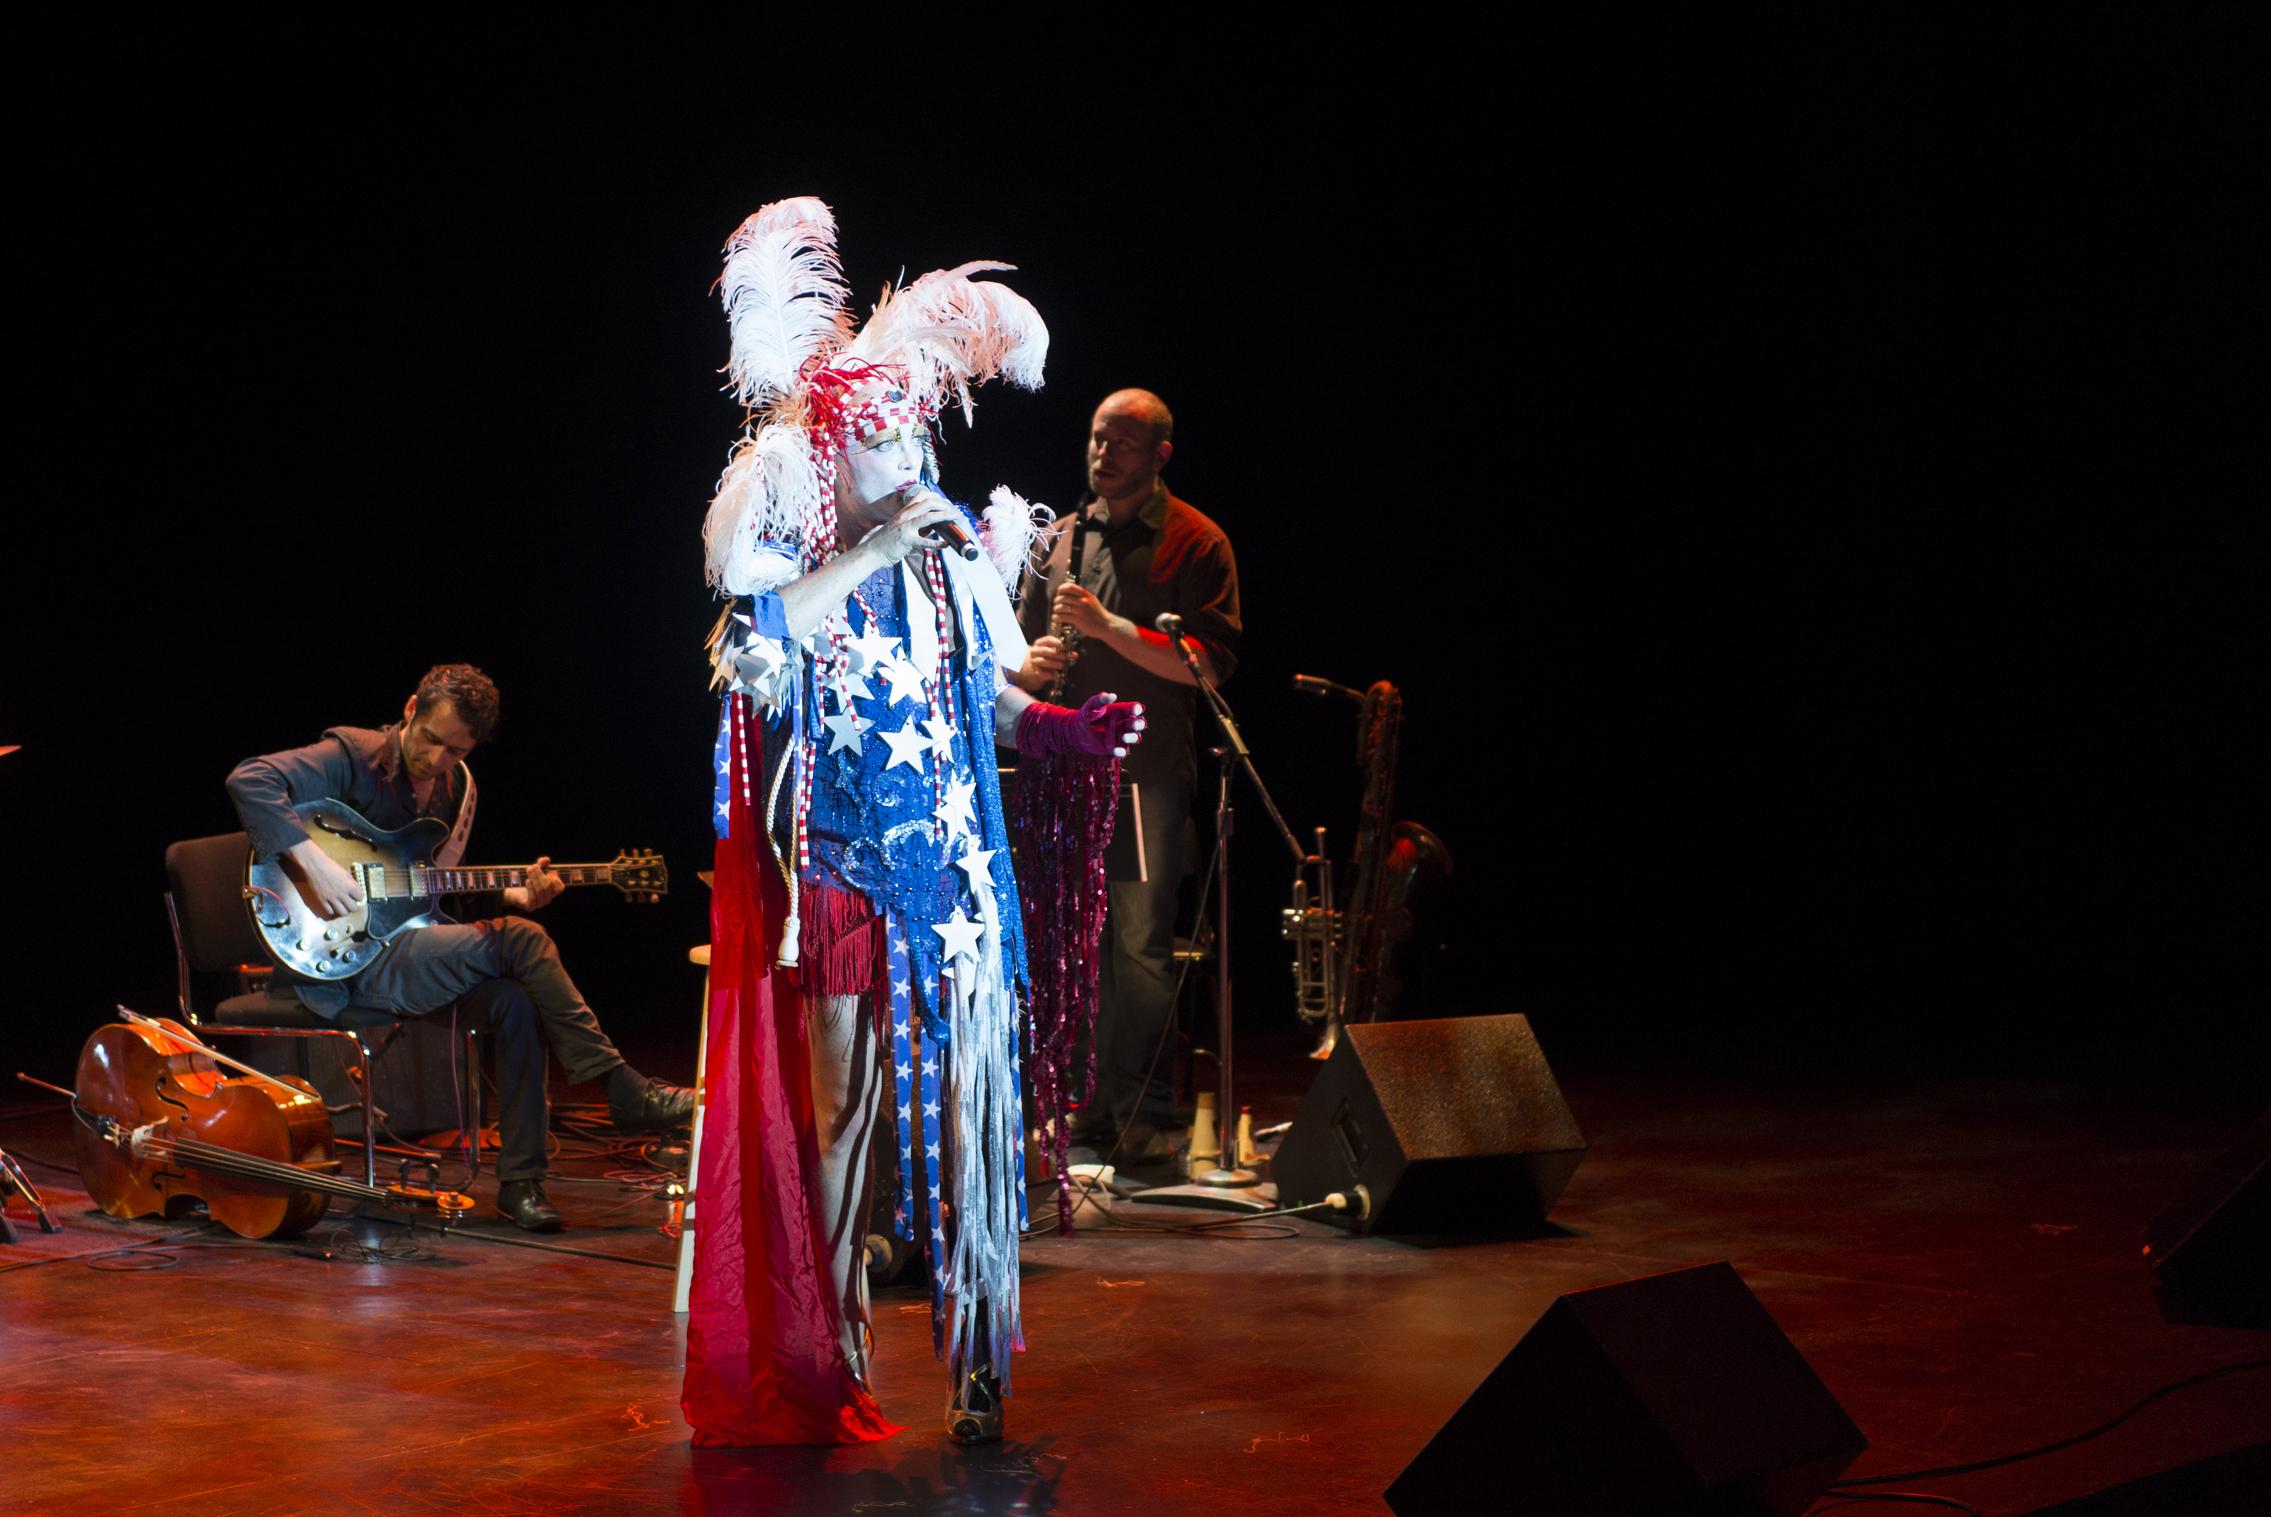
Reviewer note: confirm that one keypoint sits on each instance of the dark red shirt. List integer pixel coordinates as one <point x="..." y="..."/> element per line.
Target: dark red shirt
<point x="1169" y="556"/>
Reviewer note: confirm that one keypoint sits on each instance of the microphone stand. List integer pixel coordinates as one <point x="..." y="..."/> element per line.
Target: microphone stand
<point x="1226" y="1175"/>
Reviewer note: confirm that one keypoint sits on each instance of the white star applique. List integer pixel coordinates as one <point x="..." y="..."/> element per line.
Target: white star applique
<point x="847" y="729"/>
<point x="907" y="747"/>
<point x="853" y="687"/>
<point x="978" y="864"/>
<point x="941" y="734"/>
<point x="906" y="681"/>
<point x="961" y="935"/>
<point x="954" y="811"/>
<point x="869" y="649"/>
<point x="759" y="662"/>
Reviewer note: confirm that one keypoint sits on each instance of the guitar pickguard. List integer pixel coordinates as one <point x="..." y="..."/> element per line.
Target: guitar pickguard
<point x="307" y="944"/>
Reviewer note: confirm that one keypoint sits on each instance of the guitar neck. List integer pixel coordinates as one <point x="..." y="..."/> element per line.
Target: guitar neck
<point x="431" y="879"/>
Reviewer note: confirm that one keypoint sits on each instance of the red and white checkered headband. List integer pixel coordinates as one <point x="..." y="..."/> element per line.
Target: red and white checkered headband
<point x="852" y="403"/>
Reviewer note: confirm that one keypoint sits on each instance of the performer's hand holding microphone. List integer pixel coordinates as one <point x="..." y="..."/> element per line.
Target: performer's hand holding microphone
<point x="926" y="520"/>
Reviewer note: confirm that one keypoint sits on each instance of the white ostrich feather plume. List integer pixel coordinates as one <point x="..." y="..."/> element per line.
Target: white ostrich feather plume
<point x="1010" y="530"/>
<point x="950" y="332"/>
<point x="784" y="296"/>
<point x="769" y="486"/>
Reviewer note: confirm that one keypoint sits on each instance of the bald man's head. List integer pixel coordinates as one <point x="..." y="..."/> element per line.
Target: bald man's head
<point x="1130" y="440"/>
<point x="1143" y="403"/>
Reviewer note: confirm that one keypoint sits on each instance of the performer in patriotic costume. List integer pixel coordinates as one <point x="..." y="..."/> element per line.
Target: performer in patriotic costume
<point x="867" y="933"/>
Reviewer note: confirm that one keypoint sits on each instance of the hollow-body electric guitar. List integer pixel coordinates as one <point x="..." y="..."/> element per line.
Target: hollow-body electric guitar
<point x="400" y="886"/>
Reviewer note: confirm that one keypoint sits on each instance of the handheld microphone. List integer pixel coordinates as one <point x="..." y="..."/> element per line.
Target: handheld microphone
<point x="956" y="534"/>
<point x="953" y="532"/>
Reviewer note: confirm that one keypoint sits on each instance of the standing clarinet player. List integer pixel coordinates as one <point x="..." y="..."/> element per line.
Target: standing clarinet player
<point x="1132" y="552"/>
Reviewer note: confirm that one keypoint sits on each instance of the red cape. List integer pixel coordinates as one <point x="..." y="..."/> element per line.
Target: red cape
<point x="763" y="1361"/>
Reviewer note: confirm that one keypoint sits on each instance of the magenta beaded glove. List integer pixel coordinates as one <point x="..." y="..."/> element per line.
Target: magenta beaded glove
<point x="1101" y="728"/>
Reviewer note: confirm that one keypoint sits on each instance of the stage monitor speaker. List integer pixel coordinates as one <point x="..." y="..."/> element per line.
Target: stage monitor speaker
<point x="2211" y="1250"/>
<point x="1672" y="1396"/>
<point x="1450" y="1126"/>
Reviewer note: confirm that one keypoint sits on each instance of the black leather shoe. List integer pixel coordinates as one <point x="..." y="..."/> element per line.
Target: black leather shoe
<point x="523" y="1202"/>
<point x="656" y="1108"/>
<point x="973" y="1414"/>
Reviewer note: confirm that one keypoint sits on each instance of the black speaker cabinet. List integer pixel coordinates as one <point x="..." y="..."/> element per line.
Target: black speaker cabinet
<point x="2211" y="1250"/>
<point x="1451" y="1126"/>
<point x="1672" y="1394"/>
<point x="417" y="1089"/>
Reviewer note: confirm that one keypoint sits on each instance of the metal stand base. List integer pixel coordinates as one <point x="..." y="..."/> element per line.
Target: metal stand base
<point x="12" y="1178"/>
<point x="1263" y="1196"/>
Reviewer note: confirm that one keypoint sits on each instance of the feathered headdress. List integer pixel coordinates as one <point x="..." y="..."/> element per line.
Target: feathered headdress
<point x="813" y="386"/>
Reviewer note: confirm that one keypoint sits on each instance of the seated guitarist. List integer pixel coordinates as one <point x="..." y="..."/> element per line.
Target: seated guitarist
<point x="505" y="968"/>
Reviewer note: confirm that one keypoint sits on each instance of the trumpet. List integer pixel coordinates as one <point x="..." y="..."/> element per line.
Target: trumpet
<point x="1345" y="950"/>
<point x="1312" y="924"/>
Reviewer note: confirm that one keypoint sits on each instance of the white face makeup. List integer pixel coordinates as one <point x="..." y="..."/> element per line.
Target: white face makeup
<point x="884" y="465"/>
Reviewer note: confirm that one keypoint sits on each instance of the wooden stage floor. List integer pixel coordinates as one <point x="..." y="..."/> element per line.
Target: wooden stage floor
<point x="1958" y="1261"/>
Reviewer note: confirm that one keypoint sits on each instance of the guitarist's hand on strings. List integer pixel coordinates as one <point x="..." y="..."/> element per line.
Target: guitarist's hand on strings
<point x="540" y="885"/>
<point x="325" y="885"/>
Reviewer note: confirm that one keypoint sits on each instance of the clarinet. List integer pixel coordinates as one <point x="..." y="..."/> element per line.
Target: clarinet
<point x="1066" y="632"/>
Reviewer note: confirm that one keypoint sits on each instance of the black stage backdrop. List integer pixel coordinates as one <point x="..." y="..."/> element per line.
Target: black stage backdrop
<point x="1793" y="472"/>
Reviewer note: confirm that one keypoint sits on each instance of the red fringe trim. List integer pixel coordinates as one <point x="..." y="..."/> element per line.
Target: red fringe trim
<point x="841" y="949"/>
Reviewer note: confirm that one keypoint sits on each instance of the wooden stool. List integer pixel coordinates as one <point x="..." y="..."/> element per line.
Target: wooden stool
<point x="701" y="956"/>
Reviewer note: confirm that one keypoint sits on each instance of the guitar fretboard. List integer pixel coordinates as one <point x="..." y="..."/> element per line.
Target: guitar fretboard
<point x="387" y="884"/>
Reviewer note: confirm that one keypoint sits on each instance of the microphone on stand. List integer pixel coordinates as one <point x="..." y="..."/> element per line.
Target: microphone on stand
<point x="1169" y="623"/>
<point x="1309" y="684"/>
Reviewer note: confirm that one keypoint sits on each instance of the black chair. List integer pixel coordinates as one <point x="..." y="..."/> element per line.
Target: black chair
<point x="213" y="935"/>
